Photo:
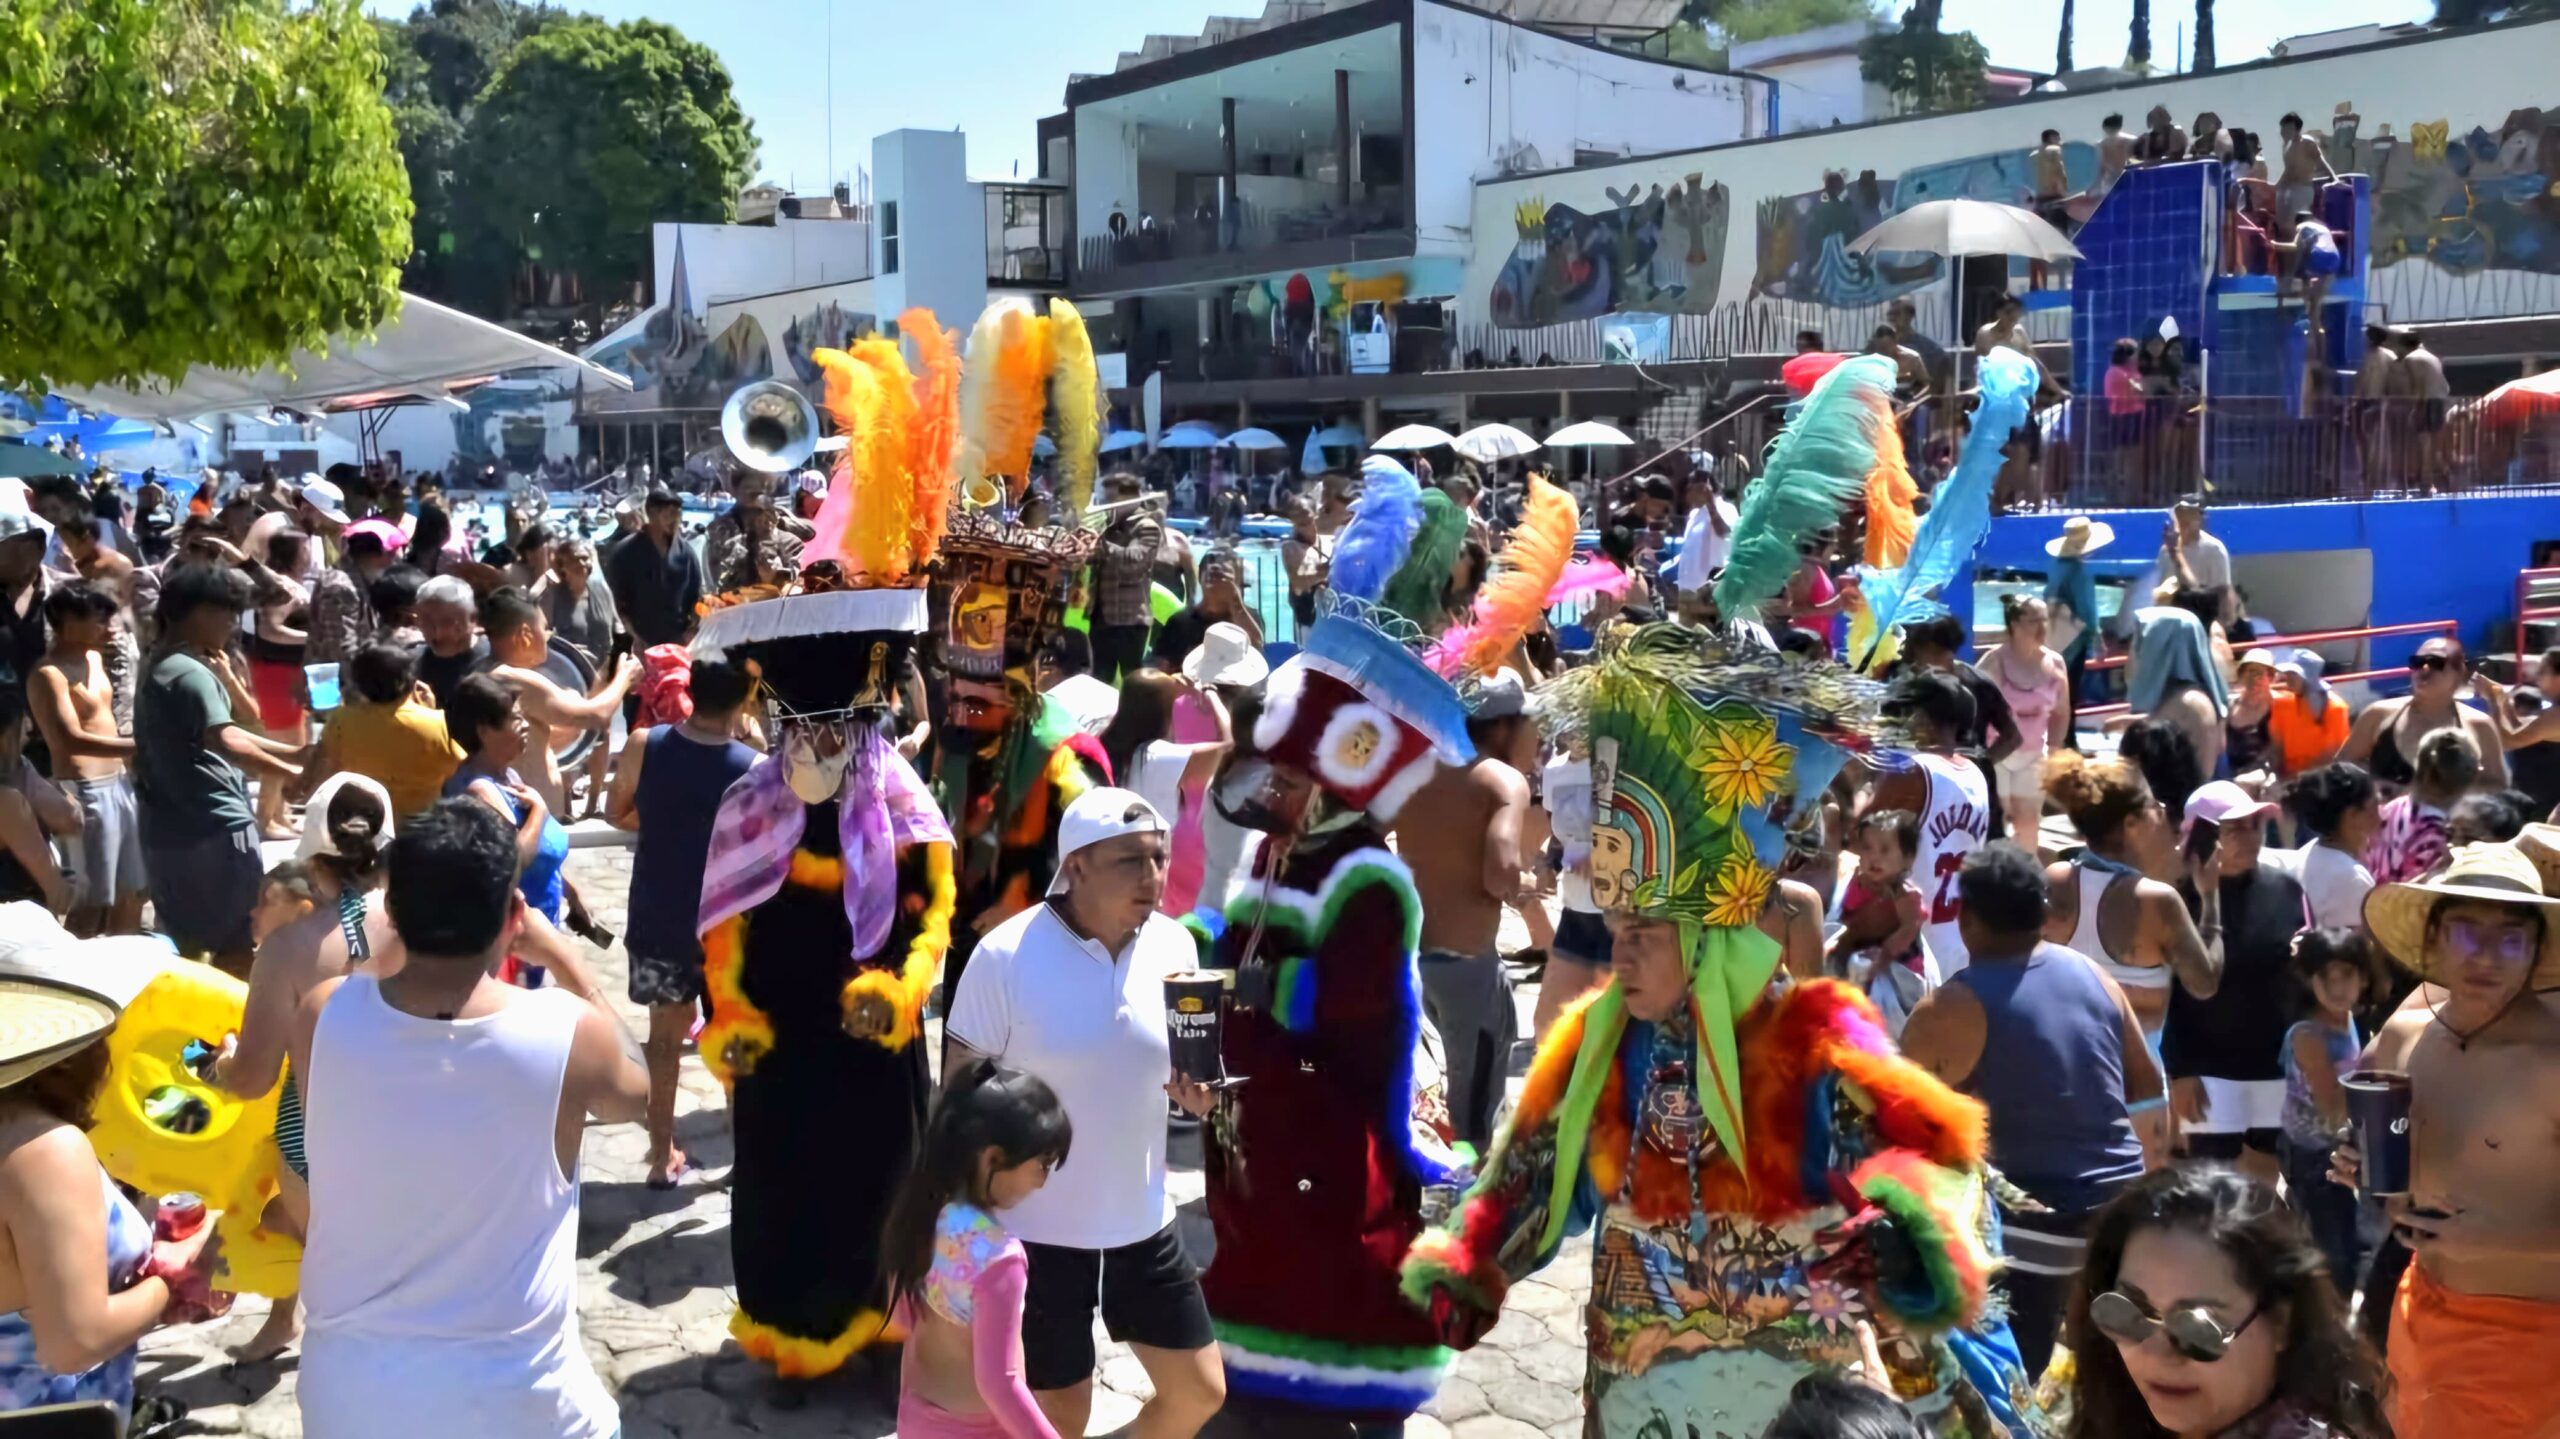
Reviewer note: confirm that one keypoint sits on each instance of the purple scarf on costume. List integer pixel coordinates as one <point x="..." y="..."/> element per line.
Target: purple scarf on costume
<point x="883" y="805"/>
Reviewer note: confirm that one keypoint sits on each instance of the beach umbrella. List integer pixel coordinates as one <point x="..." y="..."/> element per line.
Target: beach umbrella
<point x="1588" y="432"/>
<point x="1487" y="443"/>
<point x="1254" y="439"/>
<point x="1968" y="227"/>
<point x="1122" y="440"/>
<point x="1044" y="447"/>
<point x="1343" y="433"/>
<point x="1183" y="438"/>
<point x="1414" y="437"/>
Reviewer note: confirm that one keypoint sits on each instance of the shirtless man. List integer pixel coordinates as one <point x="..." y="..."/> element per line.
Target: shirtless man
<point x="2481" y="1047"/>
<point x="74" y="709"/>
<point x="2053" y="194"/>
<point x="2375" y="422"/>
<point x="1460" y="833"/>
<point x="2306" y="163"/>
<point x="519" y="641"/>
<point x="2425" y="393"/>
<point x="2115" y="152"/>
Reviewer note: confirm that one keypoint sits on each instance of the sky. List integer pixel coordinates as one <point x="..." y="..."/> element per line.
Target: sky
<point x="994" y="67"/>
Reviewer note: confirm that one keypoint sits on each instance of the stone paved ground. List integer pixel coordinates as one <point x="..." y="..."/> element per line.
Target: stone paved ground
<point x="654" y="1300"/>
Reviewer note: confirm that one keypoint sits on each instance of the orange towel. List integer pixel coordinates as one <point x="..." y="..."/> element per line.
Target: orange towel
<point x="2455" y="1367"/>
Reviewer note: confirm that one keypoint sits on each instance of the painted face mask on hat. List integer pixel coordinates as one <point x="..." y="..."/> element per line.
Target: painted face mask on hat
<point x="814" y="758"/>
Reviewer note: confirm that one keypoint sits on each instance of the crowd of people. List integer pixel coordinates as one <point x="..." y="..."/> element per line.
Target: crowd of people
<point x="2129" y="967"/>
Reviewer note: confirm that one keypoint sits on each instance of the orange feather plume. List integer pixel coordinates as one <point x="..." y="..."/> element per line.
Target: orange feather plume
<point x="937" y="428"/>
<point x="882" y="447"/>
<point x="1892" y="496"/>
<point x="1532" y="560"/>
<point x="1021" y="398"/>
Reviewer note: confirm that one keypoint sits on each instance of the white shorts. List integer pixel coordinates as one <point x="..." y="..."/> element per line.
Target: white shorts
<point x="2022" y="777"/>
<point x="2236" y="1106"/>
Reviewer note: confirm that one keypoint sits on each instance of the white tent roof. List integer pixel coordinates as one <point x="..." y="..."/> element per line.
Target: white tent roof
<point x="421" y="350"/>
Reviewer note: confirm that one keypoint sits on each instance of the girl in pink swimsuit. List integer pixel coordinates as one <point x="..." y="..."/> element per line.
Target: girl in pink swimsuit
<point x="956" y="1276"/>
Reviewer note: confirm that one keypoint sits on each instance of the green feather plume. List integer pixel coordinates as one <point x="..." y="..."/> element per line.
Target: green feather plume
<point x="1818" y="465"/>
<point x="1420" y="587"/>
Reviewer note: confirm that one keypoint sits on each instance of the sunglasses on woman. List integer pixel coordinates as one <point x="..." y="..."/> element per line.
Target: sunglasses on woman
<point x="2429" y="664"/>
<point x="2192" y="1332"/>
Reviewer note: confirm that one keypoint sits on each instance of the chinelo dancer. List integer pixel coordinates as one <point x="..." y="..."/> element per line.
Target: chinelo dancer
<point x="1762" y="1172"/>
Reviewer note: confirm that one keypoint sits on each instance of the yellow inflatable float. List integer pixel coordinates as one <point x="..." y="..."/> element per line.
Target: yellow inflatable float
<point x="163" y="1129"/>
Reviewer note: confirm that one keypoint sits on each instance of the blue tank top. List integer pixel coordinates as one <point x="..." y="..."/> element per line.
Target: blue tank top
<point x="24" y="1381"/>
<point x="2052" y="1075"/>
<point x="681" y="782"/>
<point x="545" y="888"/>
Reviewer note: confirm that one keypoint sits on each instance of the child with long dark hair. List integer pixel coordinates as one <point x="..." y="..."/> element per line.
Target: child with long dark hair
<point x="956" y="1275"/>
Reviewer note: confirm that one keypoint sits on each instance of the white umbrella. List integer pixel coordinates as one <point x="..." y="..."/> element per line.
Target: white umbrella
<point x="1182" y="437"/>
<point x="1254" y="439"/>
<point x="1487" y="443"/>
<point x="1122" y="440"/>
<point x="1588" y="432"/>
<point x="1968" y="227"/>
<point x="1414" y="437"/>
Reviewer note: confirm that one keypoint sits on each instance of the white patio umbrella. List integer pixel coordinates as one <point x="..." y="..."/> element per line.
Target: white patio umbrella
<point x="1414" y="437"/>
<point x="1968" y="227"/>
<point x="1122" y="440"/>
<point x="1184" y="437"/>
<point x="1254" y="438"/>
<point x="1486" y="443"/>
<point x="1588" y="432"/>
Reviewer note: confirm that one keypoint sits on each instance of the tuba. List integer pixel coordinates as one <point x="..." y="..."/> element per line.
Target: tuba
<point x="770" y="426"/>
<point x="981" y="492"/>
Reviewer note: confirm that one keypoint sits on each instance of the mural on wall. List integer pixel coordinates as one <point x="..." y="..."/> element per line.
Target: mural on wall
<point x="830" y="326"/>
<point x="1802" y="241"/>
<point x="508" y="419"/>
<point x="2479" y="200"/>
<point x="675" y="364"/>
<point x="1654" y="250"/>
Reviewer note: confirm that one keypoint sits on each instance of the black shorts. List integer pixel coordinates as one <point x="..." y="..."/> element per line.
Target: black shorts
<point x="1149" y="1292"/>
<point x="1582" y="938"/>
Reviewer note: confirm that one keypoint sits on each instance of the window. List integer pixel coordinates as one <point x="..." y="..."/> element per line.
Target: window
<point x="888" y="237"/>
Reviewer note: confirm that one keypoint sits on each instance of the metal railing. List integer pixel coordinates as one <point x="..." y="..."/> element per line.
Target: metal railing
<point x="2530" y="586"/>
<point x="2358" y="634"/>
<point x="1244" y="227"/>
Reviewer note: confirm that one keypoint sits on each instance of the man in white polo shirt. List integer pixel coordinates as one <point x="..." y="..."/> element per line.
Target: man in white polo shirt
<point x="1072" y="990"/>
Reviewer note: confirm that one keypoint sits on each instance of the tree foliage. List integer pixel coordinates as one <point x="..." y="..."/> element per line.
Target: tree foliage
<point x="588" y="134"/>
<point x="2204" y="37"/>
<point x="1707" y="30"/>
<point x="2137" y="49"/>
<point x="190" y="182"/>
<point x="2062" y="43"/>
<point x="1922" y="66"/>
<point x="436" y="64"/>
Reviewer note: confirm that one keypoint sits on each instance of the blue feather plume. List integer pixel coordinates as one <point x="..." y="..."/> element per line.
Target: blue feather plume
<point x="1374" y="544"/>
<point x="1960" y="508"/>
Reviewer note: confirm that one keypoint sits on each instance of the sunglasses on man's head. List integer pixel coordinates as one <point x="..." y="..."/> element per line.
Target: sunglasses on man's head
<point x="2192" y="1332"/>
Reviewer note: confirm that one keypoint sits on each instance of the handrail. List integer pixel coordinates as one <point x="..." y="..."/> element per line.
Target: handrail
<point x="2322" y="637"/>
<point x="2526" y="614"/>
<point x="1728" y="417"/>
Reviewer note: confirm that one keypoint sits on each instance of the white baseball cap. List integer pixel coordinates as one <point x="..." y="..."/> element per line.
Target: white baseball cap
<point x="1097" y="815"/>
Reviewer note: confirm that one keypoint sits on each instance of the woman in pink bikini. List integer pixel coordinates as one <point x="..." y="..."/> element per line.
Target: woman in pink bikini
<point x="2030" y="676"/>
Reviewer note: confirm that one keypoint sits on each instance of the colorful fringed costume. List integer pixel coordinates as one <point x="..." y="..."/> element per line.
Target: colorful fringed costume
<point x="1316" y="1174"/>
<point x="1758" y="1168"/>
<point x="828" y="896"/>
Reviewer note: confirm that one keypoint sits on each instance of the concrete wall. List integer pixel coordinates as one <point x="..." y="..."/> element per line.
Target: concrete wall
<point x="942" y="226"/>
<point x="1488" y="96"/>
<point x="2452" y="129"/>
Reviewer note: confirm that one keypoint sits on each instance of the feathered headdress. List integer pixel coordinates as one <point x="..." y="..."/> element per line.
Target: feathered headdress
<point x="1420" y="589"/>
<point x="1959" y="513"/>
<point x="1373" y="546"/>
<point x="1818" y="465"/>
<point x="937" y="428"/>
<point x="1075" y="404"/>
<point x="1891" y="498"/>
<point x="1515" y="595"/>
<point x="1004" y="389"/>
<point x="869" y="522"/>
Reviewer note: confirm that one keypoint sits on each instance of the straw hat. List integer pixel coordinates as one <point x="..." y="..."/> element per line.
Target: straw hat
<point x="2080" y="535"/>
<point x="59" y="994"/>
<point x="2496" y="873"/>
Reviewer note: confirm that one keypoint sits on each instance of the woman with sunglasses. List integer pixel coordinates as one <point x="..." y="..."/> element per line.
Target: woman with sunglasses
<point x="2206" y="1311"/>
<point x="2387" y="736"/>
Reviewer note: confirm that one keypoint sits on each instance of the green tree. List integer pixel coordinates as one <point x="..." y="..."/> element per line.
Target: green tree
<point x="436" y="64"/>
<point x="1922" y="66"/>
<point x="190" y="182"/>
<point x="590" y="133"/>
<point x="2062" y="43"/>
<point x="1707" y="30"/>
<point x="2204" y="36"/>
<point x="2137" y="49"/>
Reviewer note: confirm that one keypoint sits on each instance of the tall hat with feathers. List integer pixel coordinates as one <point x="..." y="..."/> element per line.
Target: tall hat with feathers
<point x="1023" y="366"/>
<point x="1357" y="708"/>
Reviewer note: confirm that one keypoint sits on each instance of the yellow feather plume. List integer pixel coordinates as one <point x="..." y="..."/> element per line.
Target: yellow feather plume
<point x="879" y="533"/>
<point x="937" y="428"/>
<point x="1020" y="400"/>
<point x="978" y="389"/>
<point x="1513" y="598"/>
<point x="1075" y="403"/>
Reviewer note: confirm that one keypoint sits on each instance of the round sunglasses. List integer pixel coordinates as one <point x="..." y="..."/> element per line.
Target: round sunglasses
<point x="2192" y="1332"/>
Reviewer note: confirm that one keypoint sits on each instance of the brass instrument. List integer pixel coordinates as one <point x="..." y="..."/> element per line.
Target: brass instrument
<point x="769" y="426"/>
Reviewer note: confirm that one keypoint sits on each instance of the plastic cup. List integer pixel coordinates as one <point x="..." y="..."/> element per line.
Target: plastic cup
<point x="2378" y="1106"/>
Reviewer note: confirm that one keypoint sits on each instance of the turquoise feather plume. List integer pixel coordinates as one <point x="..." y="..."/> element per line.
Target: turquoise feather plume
<point x="1960" y="508"/>
<point x="1374" y="544"/>
<point x="1419" y="590"/>
<point x="1818" y="465"/>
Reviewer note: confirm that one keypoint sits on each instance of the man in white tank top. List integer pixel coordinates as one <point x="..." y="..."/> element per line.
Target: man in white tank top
<point x="442" y="1113"/>
<point x="1947" y="792"/>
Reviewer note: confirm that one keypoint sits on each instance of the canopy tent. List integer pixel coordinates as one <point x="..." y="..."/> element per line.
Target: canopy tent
<point x="425" y="350"/>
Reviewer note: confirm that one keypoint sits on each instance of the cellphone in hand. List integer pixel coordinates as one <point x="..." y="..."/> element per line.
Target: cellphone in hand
<point x="2204" y="836"/>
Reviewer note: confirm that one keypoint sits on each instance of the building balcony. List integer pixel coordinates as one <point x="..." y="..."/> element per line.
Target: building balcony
<point x="1028" y="229"/>
<point x="1167" y="252"/>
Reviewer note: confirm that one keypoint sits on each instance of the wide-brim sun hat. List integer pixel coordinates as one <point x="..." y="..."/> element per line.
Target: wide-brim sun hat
<point x="1226" y="656"/>
<point x="2080" y="536"/>
<point x="58" y="993"/>
<point x="2492" y="873"/>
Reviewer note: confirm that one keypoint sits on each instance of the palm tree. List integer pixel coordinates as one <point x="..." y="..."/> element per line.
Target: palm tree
<point x="2062" y="43"/>
<point x="2204" y="36"/>
<point x="2137" y="50"/>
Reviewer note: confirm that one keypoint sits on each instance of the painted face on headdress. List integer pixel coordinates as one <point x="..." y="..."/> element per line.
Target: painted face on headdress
<point x="814" y="759"/>
<point x="1334" y="738"/>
